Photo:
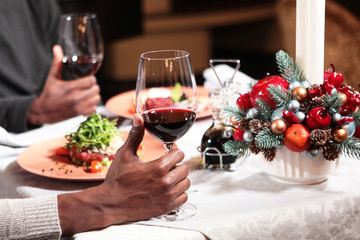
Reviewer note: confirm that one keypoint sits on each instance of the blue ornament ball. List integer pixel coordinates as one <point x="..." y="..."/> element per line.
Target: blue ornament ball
<point x="312" y="152"/>
<point x="350" y="128"/>
<point x="277" y="114"/>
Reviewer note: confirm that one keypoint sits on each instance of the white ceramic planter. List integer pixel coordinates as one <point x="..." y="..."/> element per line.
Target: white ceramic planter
<point x="297" y="168"/>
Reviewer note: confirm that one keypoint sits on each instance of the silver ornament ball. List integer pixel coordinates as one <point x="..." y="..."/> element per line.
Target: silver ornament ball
<point x="300" y="116"/>
<point x="252" y="113"/>
<point x="294" y="85"/>
<point x="333" y="91"/>
<point x="335" y="117"/>
<point x="305" y="84"/>
<point x="294" y="106"/>
<point x="248" y="136"/>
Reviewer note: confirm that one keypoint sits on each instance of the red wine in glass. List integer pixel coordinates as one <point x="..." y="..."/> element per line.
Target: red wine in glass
<point x="81" y="66"/>
<point x="168" y="124"/>
<point x="82" y="45"/>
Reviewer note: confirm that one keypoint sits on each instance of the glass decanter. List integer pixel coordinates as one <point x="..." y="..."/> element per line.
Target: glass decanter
<point x="218" y="133"/>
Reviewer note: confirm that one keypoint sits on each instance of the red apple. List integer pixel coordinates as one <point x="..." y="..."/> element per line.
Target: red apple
<point x="334" y="78"/>
<point x="244" y="101"/>
<point x="260" y="89"/>
<point x="318" y="117"/>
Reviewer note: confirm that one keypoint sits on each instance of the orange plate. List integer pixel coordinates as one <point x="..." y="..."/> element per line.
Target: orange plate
<point x="41" y="159"/>
<point x="123" y="104"/>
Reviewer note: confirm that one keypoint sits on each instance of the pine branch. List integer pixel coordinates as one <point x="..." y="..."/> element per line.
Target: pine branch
<point x="289" y="69"/>
<point x="267" y="139"/>
<point x="333" y="102"/>
<point x="356" y="116"/>
<point x="350" y="147"/>
<point x="264" y="109"/>
<point x="251" y="84"/>
<point x="280" y="95"/>
<point x="236" y="147"/>
<point x="235" y="112"/>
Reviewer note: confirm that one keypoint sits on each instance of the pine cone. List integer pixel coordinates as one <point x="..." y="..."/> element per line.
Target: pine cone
<point x="314" y="86"/>
<point x="253" y="148"/>
<point x="330" y="152"/>
<point x="266" y="124"/>
<point x="305" y="106"/>
<point x="269" y="154"/>
<point x="317" y="102"/>
<point x="255" y="125"/>
<point x="318" y="137"/>
<point x="244" y="124"/>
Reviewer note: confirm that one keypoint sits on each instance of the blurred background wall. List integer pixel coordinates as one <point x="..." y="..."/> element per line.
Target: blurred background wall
<point x="248" y="30"/>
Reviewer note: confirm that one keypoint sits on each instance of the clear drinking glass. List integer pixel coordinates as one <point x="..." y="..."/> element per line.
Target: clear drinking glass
<point x="166" y="98"/>
<point x="82" y="44"/>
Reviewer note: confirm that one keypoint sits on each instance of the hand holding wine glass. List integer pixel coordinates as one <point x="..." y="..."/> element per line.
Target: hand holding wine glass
<point x="166" y="98"/>
<point x="82" y="44"/>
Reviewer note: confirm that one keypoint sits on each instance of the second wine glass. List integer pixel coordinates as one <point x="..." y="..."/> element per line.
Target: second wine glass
<point x="166" y="98"/>
<point x="82" y="44"/>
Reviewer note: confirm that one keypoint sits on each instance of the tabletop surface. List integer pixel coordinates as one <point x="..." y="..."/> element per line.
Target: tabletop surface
<point x="240" y="204"/>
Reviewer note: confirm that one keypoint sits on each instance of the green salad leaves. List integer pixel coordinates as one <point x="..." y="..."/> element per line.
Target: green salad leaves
<point x="94" y="133"/>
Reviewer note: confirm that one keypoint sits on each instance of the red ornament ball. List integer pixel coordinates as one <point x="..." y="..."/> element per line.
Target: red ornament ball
<point x="357" y="132"/>
<point x="260" y="89"/>
<point x="244" y="101"/>
<point x="238" y="134"/>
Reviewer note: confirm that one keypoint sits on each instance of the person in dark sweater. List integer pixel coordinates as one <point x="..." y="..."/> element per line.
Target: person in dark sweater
<point x="32" y="92"/>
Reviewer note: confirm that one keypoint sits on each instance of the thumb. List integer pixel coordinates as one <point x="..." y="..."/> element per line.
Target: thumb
<point x="56" y="62"/>
<point x="136" y="134"/>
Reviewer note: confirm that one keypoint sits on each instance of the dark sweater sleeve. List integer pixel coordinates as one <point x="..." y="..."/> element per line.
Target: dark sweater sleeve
<point x="28" y="31"/>
<point x="14" y="112"/>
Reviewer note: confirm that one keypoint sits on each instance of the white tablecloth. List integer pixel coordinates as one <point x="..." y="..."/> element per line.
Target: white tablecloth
<point x="243" y="204"/>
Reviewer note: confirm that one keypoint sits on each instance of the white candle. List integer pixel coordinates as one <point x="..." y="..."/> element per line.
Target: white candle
<point x="310" y="34"/>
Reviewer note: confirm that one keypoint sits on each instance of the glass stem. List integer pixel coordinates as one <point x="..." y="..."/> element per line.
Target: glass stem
<point x="168" y="147"/>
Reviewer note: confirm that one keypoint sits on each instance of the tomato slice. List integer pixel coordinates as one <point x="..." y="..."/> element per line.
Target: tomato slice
<point x="62" y="151"/>
<point x="96" y="167"/>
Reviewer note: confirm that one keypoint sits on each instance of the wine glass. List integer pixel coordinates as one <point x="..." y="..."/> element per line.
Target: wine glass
<point x="82" y="44"/>
<point x="166" y="98"/>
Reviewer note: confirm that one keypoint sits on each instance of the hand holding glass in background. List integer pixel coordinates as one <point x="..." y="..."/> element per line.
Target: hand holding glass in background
<point x="82" y="44"/>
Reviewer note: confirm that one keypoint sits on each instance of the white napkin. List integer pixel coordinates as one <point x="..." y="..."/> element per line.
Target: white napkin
<point x="225" y="72"/>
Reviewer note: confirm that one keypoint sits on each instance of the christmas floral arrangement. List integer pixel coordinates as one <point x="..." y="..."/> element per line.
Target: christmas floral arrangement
<point x="288" y="110"/>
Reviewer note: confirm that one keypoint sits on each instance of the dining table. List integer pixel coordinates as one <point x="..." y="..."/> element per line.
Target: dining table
<point x="238" y="203"/>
